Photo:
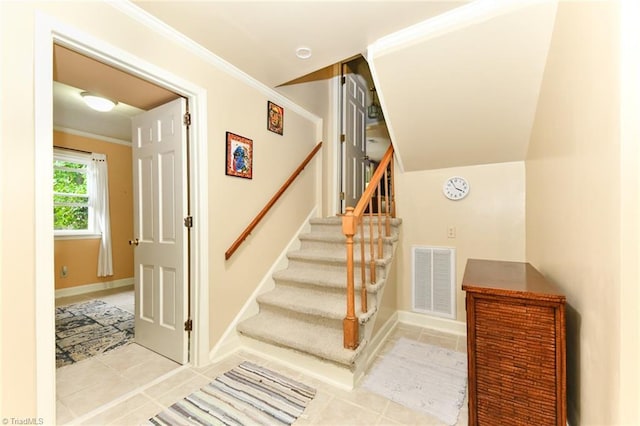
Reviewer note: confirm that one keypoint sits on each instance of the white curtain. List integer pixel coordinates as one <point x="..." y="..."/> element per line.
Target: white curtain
<point x="99" y="178"/>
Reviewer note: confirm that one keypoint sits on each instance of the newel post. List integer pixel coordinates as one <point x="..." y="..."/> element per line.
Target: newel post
<point x="350" y="322"/>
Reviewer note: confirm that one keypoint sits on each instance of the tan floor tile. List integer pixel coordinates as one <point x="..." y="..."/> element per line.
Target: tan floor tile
<point x="184" y="389"/>
<point x="155" y="367"/>
<point x="314" y="409"/>
<point x="63" y="414"/>
<point x="364" y="398"/>
<point x="128" y="356"/>
<point x="214" y="370"/>
<point x="447" y="342"/>
<point x="139" y="416"/>
<point x="73" y="378"/>
<point x="120" y="410"/>
<point x="170" y="383"/>
<point x="100" y="394"/>
<point x="344" y="413"/>
<point x="407" y="416"/>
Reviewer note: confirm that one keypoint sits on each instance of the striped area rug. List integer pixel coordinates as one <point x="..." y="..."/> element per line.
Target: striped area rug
<point x="246" y="395"/>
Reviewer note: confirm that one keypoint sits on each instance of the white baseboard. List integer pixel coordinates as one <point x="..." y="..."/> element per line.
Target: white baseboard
<point x="90" y="288"/>
<point x="435" y="323"/>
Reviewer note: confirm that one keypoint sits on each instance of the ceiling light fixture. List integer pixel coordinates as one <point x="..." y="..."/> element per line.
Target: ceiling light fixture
<point x="97" y="102"/>
<point x="303" y="52"/>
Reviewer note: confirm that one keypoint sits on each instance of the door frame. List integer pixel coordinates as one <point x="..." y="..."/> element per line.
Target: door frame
<point x="48" y="31"/>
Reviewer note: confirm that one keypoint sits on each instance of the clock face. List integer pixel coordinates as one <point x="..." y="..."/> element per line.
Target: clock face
<point x="456" y="188"/>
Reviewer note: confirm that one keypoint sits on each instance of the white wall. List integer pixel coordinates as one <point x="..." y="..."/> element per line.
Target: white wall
<point x="582" y="212"/>
<point x="489" y="222"/>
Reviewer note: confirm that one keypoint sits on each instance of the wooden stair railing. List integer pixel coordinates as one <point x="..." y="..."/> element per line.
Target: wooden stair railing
<point x="381" y="185"/>
<point x="243" y="236"/>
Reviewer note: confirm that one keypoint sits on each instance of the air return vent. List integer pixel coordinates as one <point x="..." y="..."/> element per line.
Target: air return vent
<point x="434" y="281"/>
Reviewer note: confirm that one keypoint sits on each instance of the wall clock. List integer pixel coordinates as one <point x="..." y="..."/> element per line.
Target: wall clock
<point x="455" y="188"/>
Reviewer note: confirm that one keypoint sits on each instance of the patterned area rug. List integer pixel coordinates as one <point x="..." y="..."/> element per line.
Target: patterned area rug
<point x="246" y="395"/>
<point x="90" y="328"/>
<point x="422" y="377"/>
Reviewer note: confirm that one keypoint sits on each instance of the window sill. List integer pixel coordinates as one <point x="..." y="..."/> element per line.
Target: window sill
<point x="77" y="236"/>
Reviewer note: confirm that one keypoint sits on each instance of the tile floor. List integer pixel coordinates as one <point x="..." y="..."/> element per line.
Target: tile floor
<point x="113" y="389"/>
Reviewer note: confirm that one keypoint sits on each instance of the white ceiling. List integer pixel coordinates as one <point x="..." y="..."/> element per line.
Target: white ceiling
<point x="458" y="87"/>
<point x="260" y="37"/>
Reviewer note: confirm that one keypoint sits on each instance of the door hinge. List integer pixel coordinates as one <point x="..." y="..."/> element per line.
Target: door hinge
<point x="344" y="80"/>
<point x="343" y="137"/>
<point x="342" y="195"/>
<point x="188" y="222"/>
<point x="188" y="325"/>
<point x="187" y="119"/>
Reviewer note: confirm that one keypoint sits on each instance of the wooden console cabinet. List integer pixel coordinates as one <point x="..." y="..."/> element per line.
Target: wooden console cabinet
<point x="516" y="345"/>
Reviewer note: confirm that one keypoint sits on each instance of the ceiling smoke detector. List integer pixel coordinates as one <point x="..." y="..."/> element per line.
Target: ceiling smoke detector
<point x="303" y="52"/>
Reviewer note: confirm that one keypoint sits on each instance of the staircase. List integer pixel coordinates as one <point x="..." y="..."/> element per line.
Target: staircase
<point x="305" y="309"/>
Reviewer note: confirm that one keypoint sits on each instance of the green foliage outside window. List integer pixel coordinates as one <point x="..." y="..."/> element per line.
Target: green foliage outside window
<point x="70" y="196"/>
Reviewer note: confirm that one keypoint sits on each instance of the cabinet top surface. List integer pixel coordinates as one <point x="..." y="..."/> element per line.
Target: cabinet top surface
<point x="508" y="278"/>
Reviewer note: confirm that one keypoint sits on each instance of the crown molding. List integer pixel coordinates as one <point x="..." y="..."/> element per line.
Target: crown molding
<point x="153" y="23"/>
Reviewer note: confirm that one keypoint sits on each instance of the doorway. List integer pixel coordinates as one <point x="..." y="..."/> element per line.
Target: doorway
<point x="364" y="135"/>
<point x="49" y="32"/>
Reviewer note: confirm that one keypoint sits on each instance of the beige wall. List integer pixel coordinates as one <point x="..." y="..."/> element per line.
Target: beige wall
<point x="489" y="222"/>
<point x="574" y="200"/>
<point x="80" y="256"/>
<point x="232" y="105"/>
<point x="316" y="96"/>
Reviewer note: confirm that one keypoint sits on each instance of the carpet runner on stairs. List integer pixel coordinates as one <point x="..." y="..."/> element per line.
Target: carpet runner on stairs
<point x="305" y="310"/>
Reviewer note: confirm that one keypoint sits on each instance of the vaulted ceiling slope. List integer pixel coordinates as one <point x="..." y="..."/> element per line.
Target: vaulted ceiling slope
<point x="462" y="88"/>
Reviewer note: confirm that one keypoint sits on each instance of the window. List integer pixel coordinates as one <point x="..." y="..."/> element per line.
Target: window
<point x="72" y="194"/>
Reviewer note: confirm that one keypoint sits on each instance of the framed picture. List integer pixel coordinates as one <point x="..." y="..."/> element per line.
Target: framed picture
<point x="275" y="118"/>
<point x="239" y="156"/>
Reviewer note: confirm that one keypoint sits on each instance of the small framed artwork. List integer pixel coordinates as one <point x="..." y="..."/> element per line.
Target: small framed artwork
<point x="275" y="118"/>
<point x="239" y="156"/>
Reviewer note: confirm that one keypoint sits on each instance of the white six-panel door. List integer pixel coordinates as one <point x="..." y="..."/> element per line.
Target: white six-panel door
<point x="354" y="145"/>
<point x="160" y="205"/>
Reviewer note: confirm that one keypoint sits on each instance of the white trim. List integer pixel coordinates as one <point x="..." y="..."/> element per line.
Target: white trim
<point x="91" y="288"/>
<point x="452" y="20"/>
<point x="44" y="265"/>
<point x="92" y="136"/>
<point x="48" y="30"/>
<point x="76" y="236"/>
<point x="435" y="323"/>
<point x="229" y="342"/>
<point x="156" y="25"/>
<point x="336" y="130"/>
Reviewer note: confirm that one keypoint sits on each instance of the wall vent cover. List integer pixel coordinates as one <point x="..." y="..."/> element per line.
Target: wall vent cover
<point x="434" y="281"/>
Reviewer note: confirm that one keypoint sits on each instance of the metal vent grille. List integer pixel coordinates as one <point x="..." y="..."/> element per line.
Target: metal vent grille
<point x="434" y="281"/>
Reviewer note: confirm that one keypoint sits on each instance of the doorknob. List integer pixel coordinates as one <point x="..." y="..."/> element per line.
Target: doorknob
<point x="134" y="242"/>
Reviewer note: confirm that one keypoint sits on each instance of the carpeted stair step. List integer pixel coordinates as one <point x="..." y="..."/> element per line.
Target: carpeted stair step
<point x="334" y="224"/>
<point x="326" y="241"/>
<point x="331" y="281"/>
<point x="332" y="262"/>
<point x="315" y="304"/>
<point x="303" y="336"/>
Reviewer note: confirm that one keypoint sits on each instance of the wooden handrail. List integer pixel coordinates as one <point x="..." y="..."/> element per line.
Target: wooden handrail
<point x="243" y="236"/>
<point x="350" y="221"/>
